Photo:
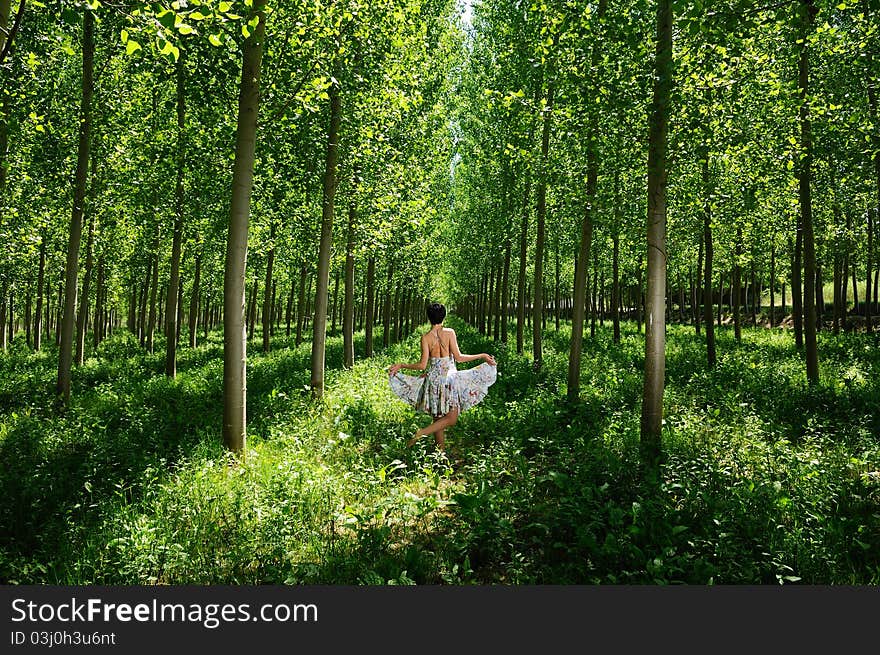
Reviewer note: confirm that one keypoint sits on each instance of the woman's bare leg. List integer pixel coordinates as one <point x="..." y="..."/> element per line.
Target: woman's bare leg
<point x="439" y="425"/>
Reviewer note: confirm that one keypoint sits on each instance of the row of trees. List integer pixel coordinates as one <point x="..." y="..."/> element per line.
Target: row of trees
<point x="763" y="165"/>
<point x="339" y="109"/>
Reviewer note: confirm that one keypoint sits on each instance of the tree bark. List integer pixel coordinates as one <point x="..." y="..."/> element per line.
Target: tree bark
<point x="808" y="12"/>
<point x="41" y="276"/>
<point x="504" y="310"/>
<point x="521" y="280"/>
<point x="655" y="328"/>
<point x="194" y="303"/>
<point x="736" y="292"/>
<point x="267" y="293"/>
<point x="234" y="341"/>
<point x="65" y="356"/>
<point x="541" y="213"/>
<point x="82" y="315"/>
<point x="171" y="308"/>
<point x="371" y="307"/>
<point x="796" y="291"/>
<point x="319" y="326"/>
<point x="580" y="277"/>
<point x="348" y="301"/>
<point x="154" y="290"/>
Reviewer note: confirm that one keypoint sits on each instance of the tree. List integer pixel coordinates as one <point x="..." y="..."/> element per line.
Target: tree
<point x="234" y="337"/>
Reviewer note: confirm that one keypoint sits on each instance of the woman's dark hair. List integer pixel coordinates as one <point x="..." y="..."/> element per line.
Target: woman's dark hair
<point x="436" y="313"/>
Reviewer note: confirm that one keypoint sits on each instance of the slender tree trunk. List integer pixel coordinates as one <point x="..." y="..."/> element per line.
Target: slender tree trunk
<point x="335" y="303"/>
<point x="194" y="303"/>
<point x="868" y="255"/>
<point x="348" y="302"/>
<point x="371" y="307"/>
<point x="267" y="293"/>
<point x="505" y="292"/>
<point x="736" y="292"/>
<point x="655" y="328"/>
<point x="100" y="306"/>
<point x="556" y="293"/>
<point x="82" y="315"/>
<point x="796" y="291"/>
<point x="41" y="276"/>
<point x="65" y="356"/>
<point x="773" y="282"/>
<point x="695" y="297"/>
<point x="5" y="6"/>
<point x="234" y="341"/>
<point x="171" y="308"/>
<point x="386" y="308"/>
<point x="496" y="303"/>
<point x="319" y="326"/>
<point x="580" y="277"/>
<point x="521" y="281"/>
<point x="154" y="290"/>
<point x="541" y="212"/>
<point x="808" y="12"/>
<point x="820" y="296"/>
<point x="252" y="312"/>
<point x="301" y="304"/>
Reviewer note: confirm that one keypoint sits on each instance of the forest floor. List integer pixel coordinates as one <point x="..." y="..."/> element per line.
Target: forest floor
<point x="765" y="480"/>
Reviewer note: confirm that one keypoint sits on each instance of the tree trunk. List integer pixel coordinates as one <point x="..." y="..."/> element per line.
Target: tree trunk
<point x="580" y="277"/>
<point x="194" y="303"/>
<point x="655" y="328"/>
<point x="736" y="292"/>
<point x="386" y="308"/>
<point x="348" y="301"/>
<point x="521" y="280"/>
<point x="82" y="315"/>
<point x="695" y="296"/>
<point x="301" y="304"/>
<point x="504" y="310"/>
<point x="234" y="342"/>
<point x="319" y="326"/>
<point x="41" y="276"/>
<point x="100" y="306"/>
<point x="154" y="290"/>
<point x="267" y="293"/>
<point x="796" y="291"/>
<point x="335" y="303"/>
<point x="541" y="213"/>
<point x="171" y="308"/>
<point x="65" y="354"/>
<point x="252" y="309"/>
<point x="808" y="12"/>
<point x="371" y="307"/>
<point x="868" y="255"/>
<point x="773" y="282"/>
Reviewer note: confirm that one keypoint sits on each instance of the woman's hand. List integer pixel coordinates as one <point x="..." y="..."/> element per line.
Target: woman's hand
<point x="394" y="369"/>
<point x="489" y="359"/>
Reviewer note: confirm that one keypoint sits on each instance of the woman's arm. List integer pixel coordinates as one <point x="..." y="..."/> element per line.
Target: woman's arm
<point x="459" y="357"/>
<point x="420" y="366"/>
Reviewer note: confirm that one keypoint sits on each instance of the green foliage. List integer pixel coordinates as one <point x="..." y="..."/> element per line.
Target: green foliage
<point x="766" y="480"/>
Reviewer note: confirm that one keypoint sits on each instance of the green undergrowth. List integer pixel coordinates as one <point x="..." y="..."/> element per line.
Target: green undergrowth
<point x="765" y="480"/>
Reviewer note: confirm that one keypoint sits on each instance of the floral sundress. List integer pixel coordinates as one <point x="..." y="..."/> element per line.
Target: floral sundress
<point x="444" y="388"/>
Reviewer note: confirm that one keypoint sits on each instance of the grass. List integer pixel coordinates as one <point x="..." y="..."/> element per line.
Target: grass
<point x="765" y="481"/>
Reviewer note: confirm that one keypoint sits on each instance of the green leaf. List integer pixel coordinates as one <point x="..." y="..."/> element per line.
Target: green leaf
<point x="131" y="46"/>
<point x="214" y="39"/>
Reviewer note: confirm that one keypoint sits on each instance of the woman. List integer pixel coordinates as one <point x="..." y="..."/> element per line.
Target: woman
<point x="443" y="392"/>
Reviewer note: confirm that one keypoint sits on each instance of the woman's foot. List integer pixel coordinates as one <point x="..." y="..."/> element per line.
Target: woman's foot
<point x="418" y="435"/>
